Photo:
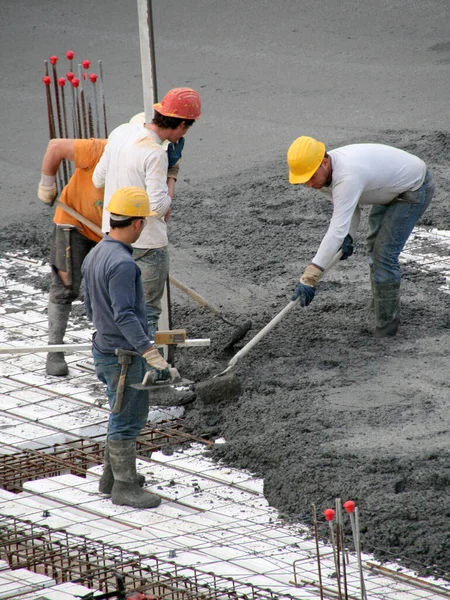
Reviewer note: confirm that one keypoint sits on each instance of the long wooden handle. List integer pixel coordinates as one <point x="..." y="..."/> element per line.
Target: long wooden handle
<point x="68" y="348"/>
<point x="73" y="213"/>
<point x="175" y="282"/>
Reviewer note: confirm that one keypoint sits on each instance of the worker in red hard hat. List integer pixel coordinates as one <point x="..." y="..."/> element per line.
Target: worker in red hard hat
<point x="145" y="155"/>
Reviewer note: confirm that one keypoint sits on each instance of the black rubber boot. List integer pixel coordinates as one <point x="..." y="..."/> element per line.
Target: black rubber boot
<point x="106" y="482"/>
<point x="58" y="315"/>
<point x="387" y="309"/>
<point x="126" y="491"/>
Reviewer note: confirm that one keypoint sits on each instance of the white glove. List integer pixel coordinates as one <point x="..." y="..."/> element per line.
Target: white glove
<point x="47" y="193"/>
<point x="47" y="189"/>
<point x="155" y="360"/>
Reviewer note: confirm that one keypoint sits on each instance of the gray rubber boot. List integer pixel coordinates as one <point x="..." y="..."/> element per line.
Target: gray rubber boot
<point x="58" y="315"/>
<point x="106" y="482"/>
<point x="371" y="304"/>
<point x="387" y="309"/>
<point x="126" y="491"/>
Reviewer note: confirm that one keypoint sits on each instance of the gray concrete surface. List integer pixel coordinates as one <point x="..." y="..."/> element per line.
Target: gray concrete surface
<point x="326" y="410"/>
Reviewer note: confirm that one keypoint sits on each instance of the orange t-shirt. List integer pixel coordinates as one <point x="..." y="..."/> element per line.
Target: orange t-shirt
<point x="80" y="193"/>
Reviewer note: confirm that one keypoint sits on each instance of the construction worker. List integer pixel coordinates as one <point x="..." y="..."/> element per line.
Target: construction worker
<point x="399" y="187"/>
<point x="115" y="303"/>
<point x="71" y="239"/>
<point x="136" y="156"/>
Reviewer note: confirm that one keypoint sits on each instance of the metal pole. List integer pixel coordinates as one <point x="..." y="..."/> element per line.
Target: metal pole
<point x="150" y="91"/>
<point x="148" y="65"/>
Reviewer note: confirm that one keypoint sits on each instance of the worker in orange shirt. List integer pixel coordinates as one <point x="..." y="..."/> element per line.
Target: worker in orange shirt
<point x="71" y="239"/>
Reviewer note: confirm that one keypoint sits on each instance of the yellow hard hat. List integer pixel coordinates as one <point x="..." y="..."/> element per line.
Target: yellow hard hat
<point x="304" y="157"/>
<point x="130" y="202"/>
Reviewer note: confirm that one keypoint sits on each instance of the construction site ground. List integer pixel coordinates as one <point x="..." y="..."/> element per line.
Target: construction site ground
<point x="326" y="410"/>
<point x="215" y="534"/>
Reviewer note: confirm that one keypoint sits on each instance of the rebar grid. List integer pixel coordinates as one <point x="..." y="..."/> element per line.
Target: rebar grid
<point x="77" y="456"/>
<point x="65" y="557"/>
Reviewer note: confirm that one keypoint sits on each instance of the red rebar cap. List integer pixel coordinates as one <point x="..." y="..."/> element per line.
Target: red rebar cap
<point x="62" y="81"/>
<point x="86" y="64"/>
<point x="93" y="77"/>
<point x="75" y="82"/>
<point x="329" y="514"/>
<point x="70" y="54"/>
<point x="47" y="80"/>
<point x="70" y="75"/>
<point x="349" y="506"/>
<point x="53" y="60"/>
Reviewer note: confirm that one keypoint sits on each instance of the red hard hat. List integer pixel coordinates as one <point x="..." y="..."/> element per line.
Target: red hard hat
<point x="182" y="103"/>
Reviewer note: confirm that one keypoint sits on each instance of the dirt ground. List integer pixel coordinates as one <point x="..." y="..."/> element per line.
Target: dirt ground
<point x="326" y="410"/>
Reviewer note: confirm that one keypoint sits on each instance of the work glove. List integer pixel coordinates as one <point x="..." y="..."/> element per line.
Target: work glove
<point x="306" y="292"/>
<point x="174" y="152"/>
<point x="156" y="361"/>
<point x="47" y="193"/>
<point x="306" y="288"/>
<point x="347" y="247"/>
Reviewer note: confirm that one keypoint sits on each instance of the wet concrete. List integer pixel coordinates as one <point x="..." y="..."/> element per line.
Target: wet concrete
<point x="326" y="410"/>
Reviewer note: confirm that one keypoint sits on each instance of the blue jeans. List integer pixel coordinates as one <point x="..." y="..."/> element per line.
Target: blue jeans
<point x="390" y="225"/>
<point x="154" y="266"/>
<point x="128" y="423"/>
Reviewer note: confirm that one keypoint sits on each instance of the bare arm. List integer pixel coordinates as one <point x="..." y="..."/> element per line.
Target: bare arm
<point x="57" y="150"/>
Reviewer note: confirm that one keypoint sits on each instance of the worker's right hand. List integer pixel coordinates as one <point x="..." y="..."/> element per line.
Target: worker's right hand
<point x="47" y="193"/>
<point x="306" y="293"/>
<point x="174" y="152"/>
<point x="347" y="247"/>
<point x="155" y="360"/>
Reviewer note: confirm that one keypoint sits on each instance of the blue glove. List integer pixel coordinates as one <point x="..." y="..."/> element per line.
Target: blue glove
<point x="306" y="292"/>
<point x="347" y="247"/>
<point x="174" y="152"/>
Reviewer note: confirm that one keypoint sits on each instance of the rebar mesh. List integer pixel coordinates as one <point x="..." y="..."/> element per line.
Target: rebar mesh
<point x="77" y="456"/>
<point x="65" y="557"/>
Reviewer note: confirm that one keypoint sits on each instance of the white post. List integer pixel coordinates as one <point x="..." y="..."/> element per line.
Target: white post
<point x="150" y="90"/>
<point x="148" y="66"/>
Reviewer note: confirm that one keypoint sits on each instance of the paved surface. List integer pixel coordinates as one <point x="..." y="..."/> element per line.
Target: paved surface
<point x="267" y="72"/>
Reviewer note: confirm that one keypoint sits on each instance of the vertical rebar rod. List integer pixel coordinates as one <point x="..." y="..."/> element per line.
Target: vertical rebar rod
<point x="102" y="97"/>
<point x="316" y="537"/>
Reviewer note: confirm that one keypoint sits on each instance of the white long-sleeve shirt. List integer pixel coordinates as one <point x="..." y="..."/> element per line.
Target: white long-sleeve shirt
<point x="135" y="156"/>
<point x="364" y="174"/>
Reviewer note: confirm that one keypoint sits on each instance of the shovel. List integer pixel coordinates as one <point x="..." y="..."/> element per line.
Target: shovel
<point x="246" y="349"/>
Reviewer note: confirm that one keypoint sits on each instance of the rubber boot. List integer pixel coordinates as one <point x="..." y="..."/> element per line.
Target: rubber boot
<point x="58" y="315"/>
<point x="126" y="491"/>
<point x="387" y="308"/>
<point x="371" y="304"/>
<point x="106" y="482"/>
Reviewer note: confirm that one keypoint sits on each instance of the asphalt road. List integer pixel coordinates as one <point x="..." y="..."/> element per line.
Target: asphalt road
<point x="267" y="72"/>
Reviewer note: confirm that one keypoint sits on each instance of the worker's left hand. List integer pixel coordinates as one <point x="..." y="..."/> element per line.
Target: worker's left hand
<point x="347" y="247"/>
<point x="174" y="152"/>
<point x="47" y="193"/>
<point x="306" y="293"/>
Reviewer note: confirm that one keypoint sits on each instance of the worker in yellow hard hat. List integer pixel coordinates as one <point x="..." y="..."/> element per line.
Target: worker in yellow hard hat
<point x="121" y="346"/>
<point x="399" y="188"/>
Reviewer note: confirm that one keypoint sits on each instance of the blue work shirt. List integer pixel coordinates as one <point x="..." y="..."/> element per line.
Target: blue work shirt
<point x="114" y="297"/>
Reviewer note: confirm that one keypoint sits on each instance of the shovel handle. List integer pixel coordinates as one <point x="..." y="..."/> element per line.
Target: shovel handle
<point x="277" y="318"/>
